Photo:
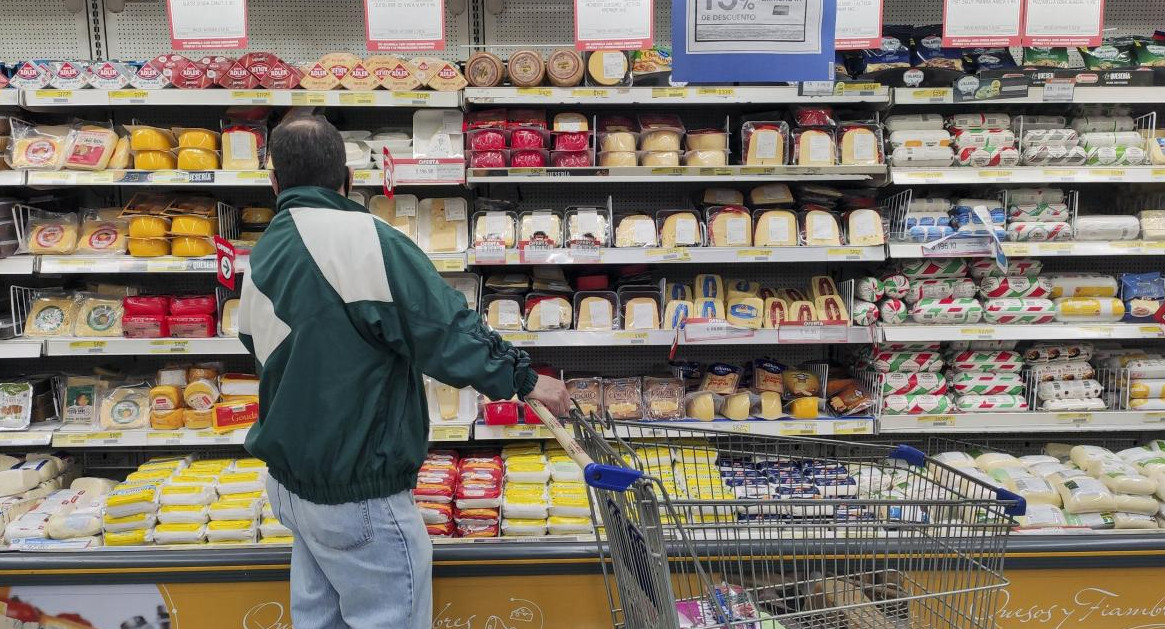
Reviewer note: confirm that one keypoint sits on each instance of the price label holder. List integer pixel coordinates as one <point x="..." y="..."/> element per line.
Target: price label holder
<point x="936" y="421"/>
<point x="450" y="264"/>
<point x="449" y="433"/>
<point x="521" y="339"/>
<point x="631" y="338"/>
<point x="26" y="438"/>
<point x="853" y="427"/>
<point x="844" y="253"/>
<point x="164" y="438"/>
<point x="754" y="255"/>
<point x="798" y="429"/>
<point x="716" y="92"/>
<point x="210" y="437"/>
<point x="170" y="346"/>
<point x="1157" y="417"/>
<point x="977" y="334"/>
<point x="415" y="99"/>
<point x="1074" y="419"/>
<point x="89" y="439"/>
<point x="358" y="98"/>
<point x="59" y="97"/>
<point x="935" y="95"/>
<point x="813" y="332"/>
<point x="252" y="97"/>
<point x="669" y="92"/>
<point x="1059" y="90"/>
<point x="489" y="253"/>
<point x="815" y="88"/>
<point x="88" y="347"/>
<point x="667" y="255"/>
<point x="301" y="98"/>
<point x="167" y="266"/>
<point x="525" y="431"/>
<point x="743" y="428"/>
<point x="589" y="93"/>
<point x="707" y="330"/>
<point x="129" y="97"/>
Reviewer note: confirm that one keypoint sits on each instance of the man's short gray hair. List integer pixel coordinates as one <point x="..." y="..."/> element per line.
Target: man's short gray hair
<point x="308" y="152"/>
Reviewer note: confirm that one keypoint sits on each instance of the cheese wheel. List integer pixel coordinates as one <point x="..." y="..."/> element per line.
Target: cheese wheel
<point x="393" y="73"/>
<point x="564" y="68"/>
<point x="198" y="139"/>
<point x="660" y="140"/>
<point x="660" y="159"/>
<point x="359" y="77"/>
<point x="607" y="67"/>
<point x="485" y="69"/>
<point x="776" y="228"/>
<point x="154" y="160"/>
<point x="708" y="140"/>
<point x="641" y="313"/>
<point x="150" y="139"/>
<point x="525" y="68"/>
<point x="618" y="159"/>
<point x="706" y="158"/>
<point x="197" y="159"/>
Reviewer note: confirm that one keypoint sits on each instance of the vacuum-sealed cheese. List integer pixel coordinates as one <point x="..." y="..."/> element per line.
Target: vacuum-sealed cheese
<point x="92" y="148"/>
<point x="681" y="229"/>
<point x="641" y="313"/>
<point x="821" y="229"/>
<point x="1082" y="494"/>
<point x="864" y="228"/>
<point x="1089" y="310"/>
<point x="554" y="313"/>
<point x="776" y="228"/>
<point x="730" y="227"/>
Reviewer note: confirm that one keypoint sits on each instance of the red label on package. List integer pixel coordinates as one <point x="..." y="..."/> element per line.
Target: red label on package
<point x="228" y="417"/>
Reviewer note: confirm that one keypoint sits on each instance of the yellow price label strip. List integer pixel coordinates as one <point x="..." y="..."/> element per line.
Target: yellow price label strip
<point x="1151" y="330"/>
<point x="1016" y="249"/>
<point x="758" y="170"/>
<point x="667" y="172"/>
<point x="449" y="264"/>
<point x="449" y="433"/>
<point x="634" y="338"/>
<point x="1117" y="173"/>
<point x="741" y="428"/>
<point x="753" y="254"/>
<point x="539" y="92"/>
<point x="852" y="428"/>
<point x="304" y="98"/>
<point x="412" y="95"/>
<point x="54" y="94"/>
<point x="525" y="432"/>
<point x="995" y="174"/>
<point x="25" y="438"/>
<point x="520" y="337"/>
<point x="722" y="92"/>
<point x="799" y="430"/>
<point x="357" y="98"/>
<point x="133" y="96"/>
<point x="937" y="420"/>
<point x="932" y="95"/>
<point x="165" y="266"/>
<point x="669" y="92"/>
<point x="924" y="174"/>
<point x="678" y="253"/>
<point x="164" y="437"/>
<point x="589" y="93"/>
<point x="1153" y="418"/>
<point x="978" y="333"/>
<point x="92" y="347"/>
<point x="253" y="97"/>
<point x="88" y="438"/>
<point x="169" y="347"/>
<point x="1074" y="418"/>
<point x="844" y="252"/>
<point x="841" y="89"/>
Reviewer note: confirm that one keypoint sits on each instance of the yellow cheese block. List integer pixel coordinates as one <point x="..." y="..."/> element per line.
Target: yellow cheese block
<point x="770" y="405"/>
<point x="831" y="308"/>
<point x="776" y="312"/>
<point x="148" y="247"/>
<point x="822" y="285"/>
<point x="618" y="159"/>
<point x="766" y="147"/>
<point x="743" y="288"/>
<point x="240" y="150"/>
<point x="776" y="228"/>
<point x="102" y="236"/>
<point x="120" y="158"/>
<point x="736" y="406"/>
<point x="229" y="325"/>
<point x="730" y="228"/>
<point x="864" y="228"/>
<point x="446" y="224"/>
<point x="154" y="160"/>
<point x="723" y="196"/>
<point x="709" y="308"/>
<point x="676" y="312"/>
<point x="198" y="139"/>
<point x="709" y="285"/>
<point x="197" y="159"/>
<point x="53" y="237"/>
<point x="637" y="230"/>
<point x="641" y="313"/>
<point x="400" y="211"/>
<point x="40" y="152"/>
<point x="816" y="148"/>
<point x="596" y="313"/>
<point x="607" y="67"/>
<point x="92" y="149"/>
<point x="821" y="229"/>
<point x="805" y="407"/>
<point x="678" y="292"/>
<point x="195" y="419"/>
<point x="492" y="227"/>
<point x="151" y="139"/>
<point x="190" y="247"/>
<point x="859" y="147"/>
<point x="660" y="159"/>
<point x="771" y="194"/>
<point x="702" y="407"/>
<point x="745" y="312"/>
<point x="448" y="401"/>
<point x="550" y="314"/>
<point x="504" y="314"/>
<point x="802" y="311"/>
<point x="791" y="295"/>
<point x="166" y="420"/>
<point x="680" y="230"/>
<point x="148" y="227"/>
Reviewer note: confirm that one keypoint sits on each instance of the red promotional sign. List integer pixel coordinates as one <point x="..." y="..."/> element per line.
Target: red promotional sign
<point x="982" y="23"/>
<point x="404" y="25"/>
<point x="859" y="25"/>
<point x="1063" y="23"/>
<point x="224" y="254"/>
<point x="207" y="24"/>
<point x="614" y="24"/>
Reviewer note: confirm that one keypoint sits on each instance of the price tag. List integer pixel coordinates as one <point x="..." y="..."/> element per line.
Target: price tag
<point x="853" y="427"/>
<point x="429" y="171"/>
<point x="357" y="98"/>
<point x="1126" y="246"/>
<point x="589" y="93"/>
<point x="449" y="433"/>
<point x="742" y="428"/>
<point x="669" y="92"/>
<point x="55" y="96"/>
<point x="978" y="334"/>
<point x="404" y="25"/>
<point x="87" y="347"/>
<point x="759" y="171"/>
<point x="1016" y="249"/>
<point x="536" y="92"/>
<point x="164" y="438"/>
<point x="1076" y="419"/>
<point x="165" y="266"/>
<point x="1153" y="246"/>
<point x="856" y="89"/>
<point x="663" y="255"/>
<point x="1055" y="248"/>
<point x="620" y="25"/>
<point x="758" y="255"/>
<point x="413" y="97"/>
<point x="100" y="438"/>
<point x="631" y="338"/>
<point x="521" y="339"/>
<point x="815" y="88"/>
<point x="522" y="431"/>
<point x="845" y="253"/>
<point x="933" y="95"/>
<point x="1109" y="174"/>
<point x="446" y="265"/>
<point x="928" y="176"/>
<point x="301" y="98"/>
<point x="1059" y="90"/>
<point x="170" y="346"/>
<point x="1151" y="331"/>
<point x="937" y="421"/>
<point x="999" y="176"/>
<point x="252" y="97"/>
<point x="37" y="438"/>
<point x="210" y="437"/>
<point x="128" y="97"/>
<point x="1153" y="418"/>
<point x="800" y="429"/>
<point x="716" y="92"/>
<point x="1060" y="174"/>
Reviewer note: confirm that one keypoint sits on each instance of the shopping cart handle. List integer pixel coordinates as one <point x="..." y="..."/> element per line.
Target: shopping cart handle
<point x="913" y="456"/>
<point x="1015" y="510"/>
<point x="610" y="477"/>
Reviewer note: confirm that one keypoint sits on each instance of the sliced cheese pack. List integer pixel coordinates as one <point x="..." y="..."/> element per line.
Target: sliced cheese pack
<point x="676" y="312"/>
<point x="400" y="211"/>
<point x="745" y="312"/>
<point x="442" y="225"/>
<point x="766" y="147"/>
<point x="504" y="313"/>
<point x="551" y="313"/>
<point x="860" y="146"/>
<point x="776" y="228"/>
<point x="864" y="228"/>
<point x="815" y="148"/>
<point x="596" y="313"/>
<point x="637" y="230"/>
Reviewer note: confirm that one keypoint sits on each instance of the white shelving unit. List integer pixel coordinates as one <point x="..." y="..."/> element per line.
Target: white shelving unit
<point x="201" y="178"/>
<point x="142" y="347"/>
<point x="825" y="426"/>
<point x="680" y="174"/>
<point x="730" y="336"/>
<point x="226" y="98"/>
<point x="1026" y="175"/>
<point x="1080" y="95"/>
<point x="692" y="255"/>
<point x="980" y="247"/>
<point x="21" y="348"/>
<point x="708" y="95"/>
<point x="1023" y="422"/>
<point x="1045" y="332"/>
<point x="140" y="438"/>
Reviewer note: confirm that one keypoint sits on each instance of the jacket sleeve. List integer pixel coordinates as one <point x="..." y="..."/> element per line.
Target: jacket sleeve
<point x="431" y="323"/>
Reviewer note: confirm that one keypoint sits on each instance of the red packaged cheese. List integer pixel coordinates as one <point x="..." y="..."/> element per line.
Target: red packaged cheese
<point x="192" y="326"/>
<point x="144" y="326"/>
<point x="236" y="77"/>
<point x="259" y="64"/>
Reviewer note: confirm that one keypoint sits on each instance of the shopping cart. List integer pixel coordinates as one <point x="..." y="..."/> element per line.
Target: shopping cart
<point x="705" y="529"/>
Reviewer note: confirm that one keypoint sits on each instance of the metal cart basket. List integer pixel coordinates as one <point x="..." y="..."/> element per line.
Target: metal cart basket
<point x="709" y="529"/>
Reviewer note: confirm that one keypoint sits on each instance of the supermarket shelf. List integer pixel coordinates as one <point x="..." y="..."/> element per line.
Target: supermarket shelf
<point x="976" y="247"/>
<point x="1028" y="174"/>
<point x="62" y="265"/>
<point x="11" y="177"/>
<point x="21" y="348"/>
<point x="1023" y="422"/>
<point x="334" y="98"/>
<point x="18" y="265"/>
<point x="450" y="432"/>
<point x="257" y="178"/>
<point x="692" y="255"/>
<point x="1049" y="331"/>
<point x="142" y="347"/>
<point x="1098" y="94"/>
<point x="140" y="438"/>
<point x="648" y="174"/>
<point x="705" y="336"/>
<point x="702" y="95"/>
<point x="516" y="431"/>
<point x="787" y="427"/>
<point x="28" y="438"/>
<point x="9" y="97"/>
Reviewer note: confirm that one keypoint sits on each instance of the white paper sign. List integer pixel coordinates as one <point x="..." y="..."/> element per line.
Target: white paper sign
<point x="740" y="26"/>
<point x="614" y="24"/>
<point x="207" y="24"/>
<point x="978" y="23"/>
<point x="1063" y="23"/>
<point x="859" y="25"/>
<point x="404" y="25"/>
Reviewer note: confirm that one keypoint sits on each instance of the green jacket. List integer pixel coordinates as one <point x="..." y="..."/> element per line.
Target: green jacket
<point x="344" y="313"/>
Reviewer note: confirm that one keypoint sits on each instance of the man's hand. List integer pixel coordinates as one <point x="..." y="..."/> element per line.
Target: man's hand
<point x="552" y="393"/>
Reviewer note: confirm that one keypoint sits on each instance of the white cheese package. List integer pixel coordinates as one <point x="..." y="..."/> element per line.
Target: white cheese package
<point x="1057" y="212"/>
<point x="947" y="311"/>
<point x="1115" y="156"/>
<point x="1028" y="122"/>
<point x="921" y="383"/>
<point x="991" y="403"/>
<point x="1073" y="405"/>
<point x="1144" y="505"/>
<point x="1098" y="139"/>
<point x="983" y="138"/>
<point x="1014" y="286"/>
<point x="916" y="404"/>
<point x="921" y="138"/>
<point x="1069" y="389"/>
<point x="943" y="288"/>
<point x="986" y="267"/>
<point x="1146" y="368"/>
<point x="865" y="313"/>
<point x="1089" y="310"/>
<point x="1147" y="389"/>
<point x="930" y="269"/>
<point x="1103" y="124"/>
<point x="989" y="157"/>
<point x="1082" y="285"/>
<point x="998" y="361"/>
<point x="1121" y="477"/>
<point x="1042" y="516"/>
<point x="893" y="311"/>
<point x="1147" y="405"/>
<point x="922" y="157"/>
<point x="914" y="122"/>
<point x="1035" y="196"/>
<point x="986" y="383"/>
<point x="906" y="362"/>
<point x="930" y="204"/>
<point x="1035" y="490"/>
<point x="1020" y="311"/>
<point x="1039" y="231"/>
<point x="1072" y="370"/>
<point x="1107" y="228"/>
<point x="990" y="120"/>
<point x="1122" y="521"/>
<point x="895" y="285"/>
<point x="1086" y="495"/>
<point x="1152" y="224"/>
<point x="1054" y="156"/>
<point x="1055" y="137"/>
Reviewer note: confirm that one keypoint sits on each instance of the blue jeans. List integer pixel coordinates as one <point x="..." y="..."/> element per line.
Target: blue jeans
<point x="357" y="565"/>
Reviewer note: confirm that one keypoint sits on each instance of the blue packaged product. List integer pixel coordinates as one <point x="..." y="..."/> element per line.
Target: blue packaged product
<point x="928" y="52"/>
<point x="1143" y="294"/>
<point x="894" y="52"/>
<point x="922" y="233"/>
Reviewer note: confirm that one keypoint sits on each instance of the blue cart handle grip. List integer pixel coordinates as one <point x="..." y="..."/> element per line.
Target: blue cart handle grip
<point x="1015" y="510"/>
<point x="913" y="456"/>
<point x="610" y="477"/>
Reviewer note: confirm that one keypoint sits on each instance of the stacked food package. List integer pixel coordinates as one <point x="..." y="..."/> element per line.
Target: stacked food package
<point x="1064" y="377"/>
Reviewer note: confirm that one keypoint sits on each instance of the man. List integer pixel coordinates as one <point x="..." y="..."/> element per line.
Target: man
<point x="344" y="313"/>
